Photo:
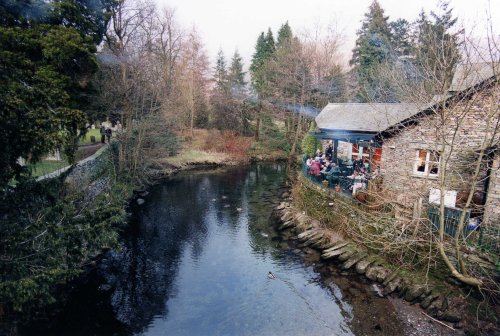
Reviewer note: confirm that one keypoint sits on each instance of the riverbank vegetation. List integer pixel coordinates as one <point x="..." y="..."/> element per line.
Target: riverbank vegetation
<point x="414" y="259"/>
<point x="70" y="63"/>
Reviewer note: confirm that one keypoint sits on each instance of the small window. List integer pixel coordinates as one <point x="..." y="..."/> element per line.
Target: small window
<point x="426" y="162"/>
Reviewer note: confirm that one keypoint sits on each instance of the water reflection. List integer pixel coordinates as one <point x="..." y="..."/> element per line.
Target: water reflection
<point x="197" y="259"/>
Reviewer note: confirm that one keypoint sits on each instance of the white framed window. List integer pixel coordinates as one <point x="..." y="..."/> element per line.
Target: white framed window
<point x="426" y="162"/>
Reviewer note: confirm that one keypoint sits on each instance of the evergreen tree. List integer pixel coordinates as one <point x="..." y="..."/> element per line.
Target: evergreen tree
<point x="373" y="47"/>
<point x="220" y="75"/>
<point x="236" y="74"/>
<point x="47" y="52"/>
<point x="401" y="37"/>
<point x="264" y="50"/>
<point x="437" y="48"/>
<point x="269" y="43"/>
<point x="284" y="35"/>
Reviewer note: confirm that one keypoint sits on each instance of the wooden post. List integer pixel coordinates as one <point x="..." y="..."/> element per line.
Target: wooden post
<point x="335" y="151"/>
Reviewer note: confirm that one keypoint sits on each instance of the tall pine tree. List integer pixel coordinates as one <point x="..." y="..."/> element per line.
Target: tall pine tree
<point x="264" y="50"/>
<point x="437" y="47"/>
<point x="373" y="47"/>
<point x="220" y="72"/>
<point x="236" y="75"/>
<point x="284" y="35"/>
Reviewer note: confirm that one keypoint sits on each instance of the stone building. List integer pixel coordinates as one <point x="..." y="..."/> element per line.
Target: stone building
<point x="431" y="145"/>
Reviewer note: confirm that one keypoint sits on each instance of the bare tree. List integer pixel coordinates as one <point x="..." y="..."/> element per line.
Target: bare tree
<point x="191" y="82"/>
<point x="139" y="63"/>
<point x="445" y="150"/>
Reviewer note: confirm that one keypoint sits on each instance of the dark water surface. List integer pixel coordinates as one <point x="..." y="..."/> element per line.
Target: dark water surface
<point x="196" y="263"/>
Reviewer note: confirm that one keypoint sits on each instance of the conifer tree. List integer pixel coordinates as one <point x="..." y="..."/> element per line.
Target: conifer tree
<point x="264" y="50"/>
<point x="270" y="45"/>
<point x="47" y="52"/>
<point x="373" y="47"/>
<point x="236" y="74"/>
<point x="220" y="74"/>
<point x="401" y="39"/>
<point x="437" y="48"/>
<point x="284" y="35"/>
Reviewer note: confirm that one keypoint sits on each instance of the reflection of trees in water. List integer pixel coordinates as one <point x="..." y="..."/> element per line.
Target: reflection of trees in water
<point x="142" y="274"/>
<point x="175" y="221"/>
<point x="267" y="182"/>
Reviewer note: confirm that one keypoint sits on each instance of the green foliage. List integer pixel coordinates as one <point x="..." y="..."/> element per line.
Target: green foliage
<point x="310" y="144"/>
<point x="437" y="48"/>
<point x="263" y="52"/>
<point x="47" y="51"/>
<point x="236" y="74"/>
<point x="274" y="137"/>
<point x="220" y="73"/>
<point x="401" y="37"/>
<point x="373" y="47"/>
<point x="284" y="35"/>
<point x="48" y="236"/>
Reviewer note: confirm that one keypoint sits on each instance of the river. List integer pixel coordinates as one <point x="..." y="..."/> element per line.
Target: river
<point x="195" y="261"/>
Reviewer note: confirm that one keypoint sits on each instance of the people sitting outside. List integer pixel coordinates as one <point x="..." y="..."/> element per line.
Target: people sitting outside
<point x="329" y="151"/>
<point x="359" y="181"/>
<point x="315" y="170"/>
<point x="325" y="168"/>
<point x="358" y="164"/>
<point x="309" y="162"/>
<point x="332" y="174"/>
<point x="306" y="163"/>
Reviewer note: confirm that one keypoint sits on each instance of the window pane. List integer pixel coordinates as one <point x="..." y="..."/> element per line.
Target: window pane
<point x="433" y="162"/>
<point x="422" y="154"/>
<point x="434" y="156"/>
<point x="433" y="168"/>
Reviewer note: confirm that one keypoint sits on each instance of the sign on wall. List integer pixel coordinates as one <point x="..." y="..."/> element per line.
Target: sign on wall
<point x="450" y="197"/>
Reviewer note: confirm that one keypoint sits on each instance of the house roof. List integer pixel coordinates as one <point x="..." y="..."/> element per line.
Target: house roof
<point x="379" y="117"/>
<point x="365" y="117"/>
<point x="469" y="75"/>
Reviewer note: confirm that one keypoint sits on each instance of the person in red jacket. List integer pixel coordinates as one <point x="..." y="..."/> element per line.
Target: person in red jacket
<point x="315" y="169"/>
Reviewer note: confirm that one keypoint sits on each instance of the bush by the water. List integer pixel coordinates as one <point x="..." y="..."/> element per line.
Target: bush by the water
<point x="49" y="235"/>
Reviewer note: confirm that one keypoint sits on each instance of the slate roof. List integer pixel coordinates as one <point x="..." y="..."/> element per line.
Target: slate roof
<point x="378" y="117"/>
<point x="469" y="75"/>
<point x="365" y="117"/>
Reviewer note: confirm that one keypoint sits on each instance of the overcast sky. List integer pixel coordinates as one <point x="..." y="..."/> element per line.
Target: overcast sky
<point x="236" y="24"/>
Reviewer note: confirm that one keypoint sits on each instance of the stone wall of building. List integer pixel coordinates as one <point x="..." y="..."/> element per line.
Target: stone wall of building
<point x="492" y="208"/>
<point x="464" y="130"/>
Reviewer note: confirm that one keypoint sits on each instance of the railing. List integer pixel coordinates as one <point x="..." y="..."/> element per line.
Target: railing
<point x="343" y="186"/>
<point x="486" y="238"/>
<point x="451" y="221"/>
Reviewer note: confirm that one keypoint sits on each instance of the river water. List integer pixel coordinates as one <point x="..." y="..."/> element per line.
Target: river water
<point x="195" y="262"/>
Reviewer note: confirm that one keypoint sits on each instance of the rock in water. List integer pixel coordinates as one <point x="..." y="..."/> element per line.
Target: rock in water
<point x="377" y="290"/>
<point x="140" y="201"/>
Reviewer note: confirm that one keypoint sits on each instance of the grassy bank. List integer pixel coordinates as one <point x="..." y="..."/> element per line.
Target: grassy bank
<point x="213" y="147"/>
